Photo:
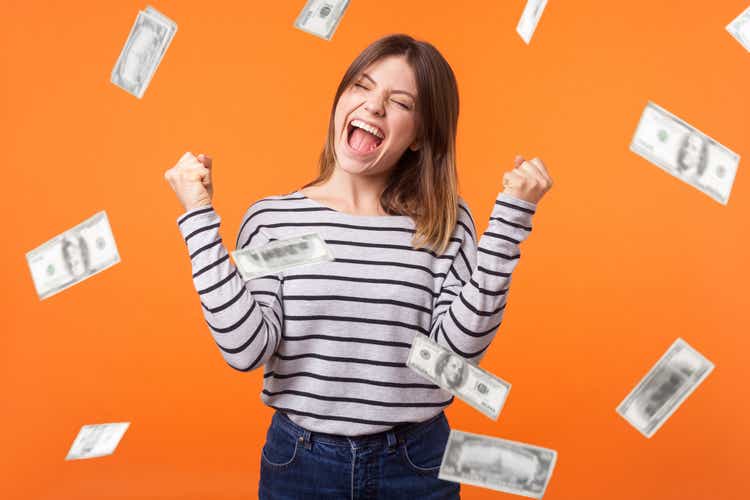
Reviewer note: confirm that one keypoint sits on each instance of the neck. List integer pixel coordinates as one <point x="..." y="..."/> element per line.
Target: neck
<point x="359" y="193"/>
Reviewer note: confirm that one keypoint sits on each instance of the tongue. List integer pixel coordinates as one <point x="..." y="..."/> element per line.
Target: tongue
<point x="362" y="141"/>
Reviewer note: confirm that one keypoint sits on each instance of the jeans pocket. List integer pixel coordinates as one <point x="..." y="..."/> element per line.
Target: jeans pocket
<point x="280" y="449"/>
<point x="423" y="453"/>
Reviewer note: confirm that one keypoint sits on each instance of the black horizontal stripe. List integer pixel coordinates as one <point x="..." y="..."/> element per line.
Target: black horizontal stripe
<point x="218" y="284"/>
<point x="236" y="323"/>
<point x="339" y="359"/>
<point x="330" y="224"/>
<point x="209" y="266"/>
<point x="225" y="304"/>
<point x="390" y="263"/>
<point x="250" y="217"/>
<point x="363" y="300"/>
<point x="371" y="402"/>
<point x="477" y="311"/>
<point x="498" y="254"/>
<point x="516" y="207"/>
<point x="193" y="214"/>
<point x="393" y="247"/>
<point x="494" y="273"/>
<point x="512" y="224"/>
<point x="358" y="280"/>
<point x="390" y="423"/>
<point x="469" y="332"/>
<point x="252" y="365"/>
<point x="335" y="338"/>
<point x="501" y="237"/>
<point x="459" y="351"/>
<point x="245" y="345"/>
<point x="401" y="385"/>
<point x="202" y="229"/>
<point x="485" y="291"/>
<point x="205" y="247"/>
<point x="352" y="319"/>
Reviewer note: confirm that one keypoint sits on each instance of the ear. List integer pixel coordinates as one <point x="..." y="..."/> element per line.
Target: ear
<point x="415" y="146"/>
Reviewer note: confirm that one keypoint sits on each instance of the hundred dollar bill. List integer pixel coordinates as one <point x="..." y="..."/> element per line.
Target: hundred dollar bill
<point x="685" y="152"/>
<point x="144" y="49"/>
<point x="475" y="386"/>
<point x="679" y="371"/>
<point x="97" y="440"/>
<point x="71" y="257"/>
<point x="281" y="255"/>
<point x="321" y="17"/>
<point x="530" y="18"/>
<point x="740" y="28"/>
<point x="498" y="464"/>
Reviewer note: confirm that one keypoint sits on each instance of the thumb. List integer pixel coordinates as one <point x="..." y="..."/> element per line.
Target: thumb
<point x="518" y="161"/>
<point x="205" y="160"/>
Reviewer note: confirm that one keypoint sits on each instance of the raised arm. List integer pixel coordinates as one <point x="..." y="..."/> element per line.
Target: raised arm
<point x="472" y="301"/>
<point x="247" y="329"/>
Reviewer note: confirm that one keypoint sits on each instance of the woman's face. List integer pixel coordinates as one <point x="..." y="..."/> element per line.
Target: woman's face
<point x="375" y="118"/>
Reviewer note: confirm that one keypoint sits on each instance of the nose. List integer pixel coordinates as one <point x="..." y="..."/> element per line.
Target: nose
<point x="375" y="105"/>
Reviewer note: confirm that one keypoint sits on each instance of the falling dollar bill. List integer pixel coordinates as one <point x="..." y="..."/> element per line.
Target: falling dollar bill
<point x="679" y="371"/>
<point x="530" y="18"/>
<point x="97" y="440"/>
<point x="73" y="256"/>
<point x="281" y="255"/>
<point x="144" y="49"/>
<point x="685" y="152"/>
<point x="475" y="386"/>
<point x="740" y="28"/>
<point x="497" y="464"/>
<point x="321" y="17"/>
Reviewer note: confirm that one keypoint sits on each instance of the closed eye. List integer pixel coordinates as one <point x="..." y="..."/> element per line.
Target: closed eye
<point x="402" y="104"/>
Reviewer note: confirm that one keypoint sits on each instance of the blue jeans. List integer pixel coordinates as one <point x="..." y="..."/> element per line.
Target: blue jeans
<point x="400" y="463"/>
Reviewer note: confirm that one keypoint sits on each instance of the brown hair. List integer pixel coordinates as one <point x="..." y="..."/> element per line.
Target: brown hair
<point x="423" y="184"/>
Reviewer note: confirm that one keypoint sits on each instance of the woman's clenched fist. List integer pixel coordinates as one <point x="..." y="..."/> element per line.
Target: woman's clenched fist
<point x="191" y="180"/>
<point x="528" y="181"/>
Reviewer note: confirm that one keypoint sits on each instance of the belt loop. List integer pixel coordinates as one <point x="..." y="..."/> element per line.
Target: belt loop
<point x="391" y="436"/>
<point x="306" y="440"/>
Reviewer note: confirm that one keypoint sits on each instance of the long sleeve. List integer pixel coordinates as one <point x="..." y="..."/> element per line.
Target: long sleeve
<point x="244" y="318"/>
<point x="472" y="300"/>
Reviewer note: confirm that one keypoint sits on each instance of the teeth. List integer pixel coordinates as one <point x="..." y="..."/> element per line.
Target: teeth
<point x="369" y="128"/>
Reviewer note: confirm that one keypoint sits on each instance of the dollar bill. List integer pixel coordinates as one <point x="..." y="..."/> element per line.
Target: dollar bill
<point x="685" y="152"/>
<point x="497" y="464"/>
<point x="679" y="371"/>
<point x="281" y="255"/>
<point x="97" y="440"/>
<point x="530" y="18"/>
<point x="321" y="17"/>
<point x="71" y="257"/>
<point x="477" y="387"/>
<point x="740" y="28"/>
<point x="144" y="49"/>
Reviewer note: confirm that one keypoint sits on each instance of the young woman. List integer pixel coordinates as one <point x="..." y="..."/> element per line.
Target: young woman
<point x="352" y="420"/>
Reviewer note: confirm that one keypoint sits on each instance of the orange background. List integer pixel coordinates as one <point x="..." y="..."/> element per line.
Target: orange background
<point x="623" y="260"/>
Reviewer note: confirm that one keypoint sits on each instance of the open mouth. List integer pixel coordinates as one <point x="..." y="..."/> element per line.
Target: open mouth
<point x="363" y="137"/>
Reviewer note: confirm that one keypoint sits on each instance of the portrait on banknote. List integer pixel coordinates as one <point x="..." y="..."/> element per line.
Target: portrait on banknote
<point x="75" y="254"/>
<point x="692" y="157"/>
<point x="451" y="369"/>
<point x="663" y="386"/>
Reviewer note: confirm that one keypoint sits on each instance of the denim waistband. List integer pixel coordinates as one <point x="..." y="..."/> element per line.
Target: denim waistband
<point x="390" y="437"/>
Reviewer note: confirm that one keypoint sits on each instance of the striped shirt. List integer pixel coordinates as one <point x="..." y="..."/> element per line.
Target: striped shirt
<point x="334" y="337"/>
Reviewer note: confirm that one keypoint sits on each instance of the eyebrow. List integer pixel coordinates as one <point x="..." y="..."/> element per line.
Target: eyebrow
<point x="365" y="75"/>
